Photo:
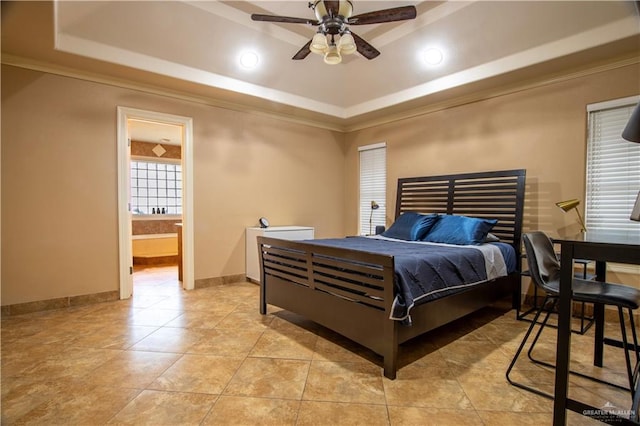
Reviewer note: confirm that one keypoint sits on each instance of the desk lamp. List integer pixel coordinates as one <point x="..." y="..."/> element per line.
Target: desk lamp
<point x="631" y="133"/>
<point x="569" y="205"/>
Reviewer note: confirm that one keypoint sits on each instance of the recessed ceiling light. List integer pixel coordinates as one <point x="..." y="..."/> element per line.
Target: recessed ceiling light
<point x="249" y="60"/>
<point x="433" y="56"/>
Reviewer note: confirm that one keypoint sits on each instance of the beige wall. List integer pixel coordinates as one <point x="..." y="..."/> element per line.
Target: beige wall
<point x="542" y="130"/>
<point x="59" y="183"/>
<point x="59" y="171"/>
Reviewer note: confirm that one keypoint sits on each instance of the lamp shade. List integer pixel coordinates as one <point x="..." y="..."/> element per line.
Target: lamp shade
<point x="319" y="44"/>
<point x="635" y="213"/>
<point x="631" y="131"/>
<point x="332" y="57"/>
<point x="568" y="204"/>
<point x="374" y="205"/>
<point x="347" y="44"/>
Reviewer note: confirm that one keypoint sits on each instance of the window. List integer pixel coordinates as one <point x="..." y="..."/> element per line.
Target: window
<point x="613" y="169"/>
<point x="373" y="186"/>
<point x="156" y="188"/>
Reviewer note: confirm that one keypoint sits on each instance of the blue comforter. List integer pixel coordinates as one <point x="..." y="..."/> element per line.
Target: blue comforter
<point x="426" y="271"/>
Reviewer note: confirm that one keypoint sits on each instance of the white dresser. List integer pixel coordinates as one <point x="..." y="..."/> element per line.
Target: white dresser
<point x="282" y="232"/>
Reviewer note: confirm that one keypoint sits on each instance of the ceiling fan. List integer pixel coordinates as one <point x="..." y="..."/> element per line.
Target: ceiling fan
<point x="334" y="38"/>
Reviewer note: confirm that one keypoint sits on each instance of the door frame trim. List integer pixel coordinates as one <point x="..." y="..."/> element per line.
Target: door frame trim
<point x="124" y="215"/>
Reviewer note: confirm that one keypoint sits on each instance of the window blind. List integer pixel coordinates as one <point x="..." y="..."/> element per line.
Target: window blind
<point x="373" y="187"/>
<point x="613" y="171"/>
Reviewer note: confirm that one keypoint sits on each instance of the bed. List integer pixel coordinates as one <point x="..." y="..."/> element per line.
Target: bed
<point x="352" y="290"/>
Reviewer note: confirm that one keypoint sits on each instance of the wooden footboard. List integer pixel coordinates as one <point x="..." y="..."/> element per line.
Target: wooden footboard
<point x="352" y="294"/>
<point x="348" y="292"/>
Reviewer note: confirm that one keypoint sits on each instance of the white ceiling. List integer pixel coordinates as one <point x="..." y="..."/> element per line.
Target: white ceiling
<point x="194" y="46"/>
<point x="150" y="131"/>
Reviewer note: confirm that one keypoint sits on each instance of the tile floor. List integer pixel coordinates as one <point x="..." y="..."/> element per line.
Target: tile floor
<point x="207" y="357"/>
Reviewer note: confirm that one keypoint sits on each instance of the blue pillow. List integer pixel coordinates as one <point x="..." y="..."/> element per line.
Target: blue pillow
<point x="453" y="229"/>
<point x="411" y="226"/>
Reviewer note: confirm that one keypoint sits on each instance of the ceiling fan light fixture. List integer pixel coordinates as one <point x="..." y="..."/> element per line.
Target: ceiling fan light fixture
<point x="332" y="57"/>
<point x="333" y="19"/>
<point x="319" y="44"/>
<point x="347" y="44"/>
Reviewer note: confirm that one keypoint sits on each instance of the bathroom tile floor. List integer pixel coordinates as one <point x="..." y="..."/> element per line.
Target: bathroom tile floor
<point x="207" y="357"/>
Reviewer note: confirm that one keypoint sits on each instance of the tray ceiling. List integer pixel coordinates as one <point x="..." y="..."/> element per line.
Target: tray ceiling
<point x="195" y="46"/>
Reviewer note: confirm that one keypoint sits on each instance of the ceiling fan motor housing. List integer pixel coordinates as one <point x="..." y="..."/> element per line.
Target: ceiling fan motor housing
<point x="332" y="21"/>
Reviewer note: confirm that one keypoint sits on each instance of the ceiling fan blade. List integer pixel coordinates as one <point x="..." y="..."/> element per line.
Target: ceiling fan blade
<point x="284" y="19"/>
<point x="364" y="48"/>
<point x="386" y="15"/>
<point x="302" y="53"/>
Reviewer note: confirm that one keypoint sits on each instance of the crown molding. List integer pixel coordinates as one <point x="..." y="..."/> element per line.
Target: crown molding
<point x="489" y="94"/>
<point x="349" y="125"/>
<point x="49" y="68"/>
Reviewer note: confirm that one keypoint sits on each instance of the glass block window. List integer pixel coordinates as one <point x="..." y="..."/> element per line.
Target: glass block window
<point x="156" y="188"/>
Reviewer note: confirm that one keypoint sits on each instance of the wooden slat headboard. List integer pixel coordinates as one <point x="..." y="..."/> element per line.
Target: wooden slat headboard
<point x="491" y="195"/>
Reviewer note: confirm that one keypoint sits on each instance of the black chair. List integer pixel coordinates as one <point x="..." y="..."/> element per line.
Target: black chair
<point x="544" y="268"/>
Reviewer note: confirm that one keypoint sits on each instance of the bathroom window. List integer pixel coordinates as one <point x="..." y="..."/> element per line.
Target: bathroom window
<point x="156" y="188"/>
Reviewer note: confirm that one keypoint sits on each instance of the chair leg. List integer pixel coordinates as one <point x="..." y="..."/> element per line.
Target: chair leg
<point x="521" y="316"/>
<point x="625" y="347"/>
<point x="633" y="372"/>
<point x="585" y="322"/>
<point x="539" y="333"/>
<point x="635" y="405"/>
<point x="635" y="342"/>
<point x="522" y="345"/>
<point x="585" y="376"/>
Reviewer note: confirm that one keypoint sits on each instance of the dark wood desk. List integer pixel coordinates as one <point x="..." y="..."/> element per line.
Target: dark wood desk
<point x="602" y="248"/>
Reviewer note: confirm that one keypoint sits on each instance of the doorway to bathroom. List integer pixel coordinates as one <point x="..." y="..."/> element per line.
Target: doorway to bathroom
<point x="155" y="203"/>
<point x="156" y="206"/>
